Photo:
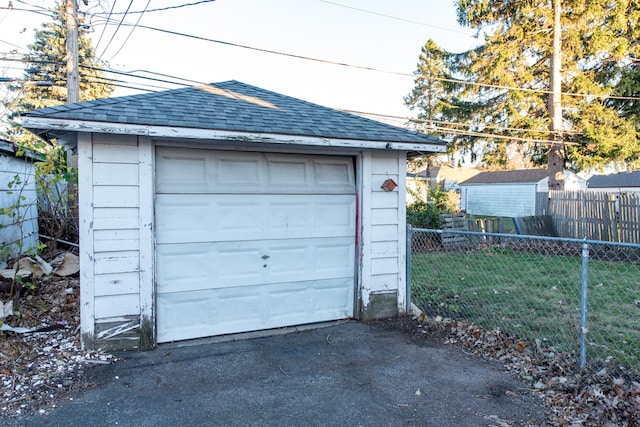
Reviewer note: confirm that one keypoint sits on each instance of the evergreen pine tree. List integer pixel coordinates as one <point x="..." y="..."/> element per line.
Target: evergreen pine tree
<point x="45" y="77"/>
<point x="600" y="48"/>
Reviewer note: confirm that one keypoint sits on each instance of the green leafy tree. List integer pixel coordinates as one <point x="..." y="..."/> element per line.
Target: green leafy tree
<point x="46" y="62"/>
<point x="600" y="47"/>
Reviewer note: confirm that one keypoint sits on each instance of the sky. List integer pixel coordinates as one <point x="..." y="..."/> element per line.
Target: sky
<point x="383" y="35"/>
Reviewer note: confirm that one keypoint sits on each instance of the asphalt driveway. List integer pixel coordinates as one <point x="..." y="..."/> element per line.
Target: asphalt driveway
<point x="344" y="374"/>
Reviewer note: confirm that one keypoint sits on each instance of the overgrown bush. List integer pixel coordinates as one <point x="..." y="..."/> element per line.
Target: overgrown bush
<point x="426" y="213"/>
<point x="423" y="214"/>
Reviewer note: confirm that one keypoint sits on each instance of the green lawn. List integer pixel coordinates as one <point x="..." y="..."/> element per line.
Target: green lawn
<point x="532" y="296"/>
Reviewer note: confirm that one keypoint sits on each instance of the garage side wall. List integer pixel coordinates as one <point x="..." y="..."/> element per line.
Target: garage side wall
<point x="383" y="289"/>
<point x="110" y="171"/>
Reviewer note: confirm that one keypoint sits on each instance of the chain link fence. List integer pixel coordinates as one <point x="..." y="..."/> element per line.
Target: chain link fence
<point x="579" y="297"/>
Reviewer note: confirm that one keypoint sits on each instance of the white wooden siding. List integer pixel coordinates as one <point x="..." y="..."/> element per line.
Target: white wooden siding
<point x="110" y="230"/>
<point x="13" y="230"/>
<point x="508" y="200"/>
<point x="383" y="227"/>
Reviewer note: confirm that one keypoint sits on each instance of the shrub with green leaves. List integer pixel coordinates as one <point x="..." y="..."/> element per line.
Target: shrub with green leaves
<point x="426" y="213"/>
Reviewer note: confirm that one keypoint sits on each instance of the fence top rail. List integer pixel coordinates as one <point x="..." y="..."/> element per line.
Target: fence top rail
<point x="525" y="237"/>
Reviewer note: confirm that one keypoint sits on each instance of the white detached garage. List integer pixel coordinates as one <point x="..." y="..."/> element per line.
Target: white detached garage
<point x="228" y="208"/>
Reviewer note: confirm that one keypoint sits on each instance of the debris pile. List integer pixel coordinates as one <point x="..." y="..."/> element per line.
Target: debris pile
<point x="41" y="360"/>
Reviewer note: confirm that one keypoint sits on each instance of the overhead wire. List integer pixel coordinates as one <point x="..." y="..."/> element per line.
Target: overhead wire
<point x="368" y="68"/>
<point x="22" y="88"/>
<point x="444" y="126"/>
<point x="160" y="9"/>
<point x="441" y="129"/>
<point x="132" y="30"/>
<point x="435" y="121"/>
<point x="394" y="17"/>
<point x="117" y="29"/>
<point x="104" y="29"/>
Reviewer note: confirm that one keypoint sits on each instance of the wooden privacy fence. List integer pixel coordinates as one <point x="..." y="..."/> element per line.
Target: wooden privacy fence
<point x="612" y="217"/>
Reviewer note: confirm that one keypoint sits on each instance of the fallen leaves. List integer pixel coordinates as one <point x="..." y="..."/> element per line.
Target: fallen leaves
<point x="603" y="394"/>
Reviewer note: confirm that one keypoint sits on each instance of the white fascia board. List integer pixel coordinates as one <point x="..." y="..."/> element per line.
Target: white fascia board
<point x="40" y="123"/>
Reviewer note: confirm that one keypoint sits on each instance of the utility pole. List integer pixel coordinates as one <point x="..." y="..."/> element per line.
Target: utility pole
<point x="73" y="95"/>
<point x="556" y="154"/>
<point x="73" y="79"/>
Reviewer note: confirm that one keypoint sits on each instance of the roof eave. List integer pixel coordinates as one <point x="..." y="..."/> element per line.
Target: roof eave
<point x="49" y="128"/>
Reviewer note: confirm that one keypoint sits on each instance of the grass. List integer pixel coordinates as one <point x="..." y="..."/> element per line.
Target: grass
<point x="507" y="223"/>
<point x="533" y="296"/>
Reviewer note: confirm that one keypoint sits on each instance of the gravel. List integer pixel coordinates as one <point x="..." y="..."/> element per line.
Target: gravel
<point x="40" y="368"/>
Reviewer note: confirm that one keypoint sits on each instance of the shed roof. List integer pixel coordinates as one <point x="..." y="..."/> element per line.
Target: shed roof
<point x="504" y="177"/>
<point x="444" y="171"/>
<point x="624" y="179"/>
<point x="10" y="149"/>
<point x="227" y="106"/>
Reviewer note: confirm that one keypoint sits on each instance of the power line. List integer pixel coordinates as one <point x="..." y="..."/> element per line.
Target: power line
<point x="48" y="15"/>
<point x="132" y="30"/>
<point x="117" y="28"/>
<point x="104" y="29"/>
<point x="302" y="57"/>
<point x="361" y="67"/>
<point x="158" y="9"/>
<point x="274" y="52"/>
<point x="393" y="17"/>
<point x="445" y="128"/>
<point x="442" y="122"/>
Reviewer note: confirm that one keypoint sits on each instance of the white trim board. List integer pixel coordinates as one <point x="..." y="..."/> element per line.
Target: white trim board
<point x="221" y="135"/>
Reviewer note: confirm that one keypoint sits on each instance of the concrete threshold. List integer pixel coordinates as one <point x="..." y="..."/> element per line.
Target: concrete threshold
<point x="252" y="334"/>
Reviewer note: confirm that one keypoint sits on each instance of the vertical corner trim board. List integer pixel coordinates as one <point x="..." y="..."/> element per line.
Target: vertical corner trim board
<point x="85" y="210"/>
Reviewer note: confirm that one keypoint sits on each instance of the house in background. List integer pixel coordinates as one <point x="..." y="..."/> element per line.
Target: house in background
<point x="512" y="193"/>
<point x="442" y="174"/>
<point x="624" y="182"/>
<point x="18" y="201"/>
<point x="228" y="208"/>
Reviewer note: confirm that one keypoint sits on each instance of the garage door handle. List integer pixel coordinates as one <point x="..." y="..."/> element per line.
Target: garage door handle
<point x="265" y="256"/>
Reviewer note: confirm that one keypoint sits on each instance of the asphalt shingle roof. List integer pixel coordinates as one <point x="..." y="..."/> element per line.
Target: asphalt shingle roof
<point x="503" y="177"/>
<point x="233" y="106"/>
<point x="624" y="179"/>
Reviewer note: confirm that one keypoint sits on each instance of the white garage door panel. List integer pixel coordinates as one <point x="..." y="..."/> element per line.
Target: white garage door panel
<point x="229" y="310"/>
<point x="208" y="218"/>
<point x="181" y="171"/>
<point x="248" y="241"/>
<point x="193" y="266"/>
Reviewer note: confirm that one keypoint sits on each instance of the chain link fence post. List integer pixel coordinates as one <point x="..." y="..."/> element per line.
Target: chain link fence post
<point x="409" y="251"/>
<point x="583" y="305"/>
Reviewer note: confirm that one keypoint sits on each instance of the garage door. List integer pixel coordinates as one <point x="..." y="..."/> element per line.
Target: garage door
<point x="248" y="241"/>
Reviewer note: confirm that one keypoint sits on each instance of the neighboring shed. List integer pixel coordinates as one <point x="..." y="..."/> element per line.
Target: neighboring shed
<point x="512" y="193"/>
<point x="624" y="182"/>
<point x="228" y="208"/>
<point x="18" y="201"/>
